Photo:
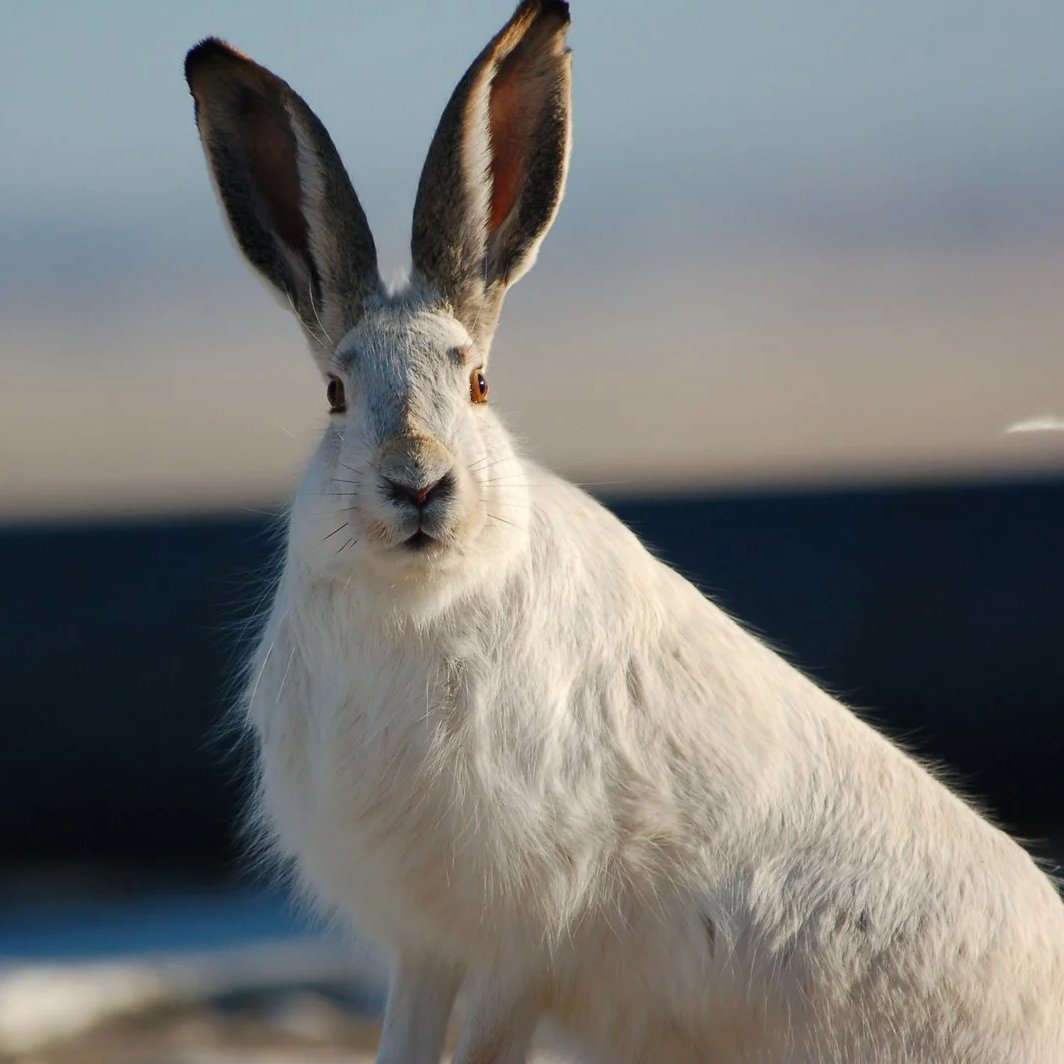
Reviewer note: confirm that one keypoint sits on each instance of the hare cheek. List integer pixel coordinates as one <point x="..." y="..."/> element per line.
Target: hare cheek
<point x="465" y="515"/>
<point x="378" y="532"/>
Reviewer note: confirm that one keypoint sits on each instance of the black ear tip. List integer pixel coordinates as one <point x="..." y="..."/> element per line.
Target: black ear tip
<point x="208" y="50"/>
<point x="558" y="9"/>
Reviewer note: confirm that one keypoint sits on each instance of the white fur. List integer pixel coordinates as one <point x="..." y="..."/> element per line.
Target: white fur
<point x="533" y="762"/>
<point x="542" y="763"/>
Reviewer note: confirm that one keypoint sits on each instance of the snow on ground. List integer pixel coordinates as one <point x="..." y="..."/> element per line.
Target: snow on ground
<point x="186" y="972"/>
<point x="41" y="1003"/>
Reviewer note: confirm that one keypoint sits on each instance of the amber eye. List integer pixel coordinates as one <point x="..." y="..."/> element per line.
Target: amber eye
<point x="478" y="386"/>
<point x="335" y="394"/>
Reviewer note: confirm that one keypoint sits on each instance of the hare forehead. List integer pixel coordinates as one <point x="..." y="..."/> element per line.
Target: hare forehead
<point x="404" y="342"/>
<point x="405" y="361"/>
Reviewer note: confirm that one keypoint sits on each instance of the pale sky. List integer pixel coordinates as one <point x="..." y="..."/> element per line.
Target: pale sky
<point x="836" y="230"/>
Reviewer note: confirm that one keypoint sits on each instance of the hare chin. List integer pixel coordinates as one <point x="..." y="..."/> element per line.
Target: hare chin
<point x="420" y="553"/>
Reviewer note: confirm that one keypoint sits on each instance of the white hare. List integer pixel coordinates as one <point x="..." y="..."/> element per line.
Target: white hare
<point x="521" y="754"/>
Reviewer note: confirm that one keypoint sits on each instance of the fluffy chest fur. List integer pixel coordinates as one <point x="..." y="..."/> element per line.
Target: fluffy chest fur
<point x="496" y="770"/>
<point x="361" y="751"/>
<point x="417" y="785"/>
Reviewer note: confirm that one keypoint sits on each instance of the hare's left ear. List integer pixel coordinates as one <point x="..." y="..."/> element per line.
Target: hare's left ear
<point x="495" y="171"/>
<point x="285" y="192"/>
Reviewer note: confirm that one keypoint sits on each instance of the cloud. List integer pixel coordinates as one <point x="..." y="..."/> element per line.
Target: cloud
<point x="1044" y="423"/>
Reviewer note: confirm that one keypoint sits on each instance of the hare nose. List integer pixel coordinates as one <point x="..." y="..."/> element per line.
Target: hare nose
<point x="419" y="497"/>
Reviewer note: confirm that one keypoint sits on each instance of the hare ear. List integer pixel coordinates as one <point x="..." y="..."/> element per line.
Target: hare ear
<point x="285" y="192"/>
<point x="496" y="168"/>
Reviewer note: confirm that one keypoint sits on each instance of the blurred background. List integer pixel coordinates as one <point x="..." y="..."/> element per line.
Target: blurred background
<point x="799" y="322"/>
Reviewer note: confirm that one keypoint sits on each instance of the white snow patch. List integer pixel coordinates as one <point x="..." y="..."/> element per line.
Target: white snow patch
<point x="43" y="1002"/>
<point x="1043" y="423"/>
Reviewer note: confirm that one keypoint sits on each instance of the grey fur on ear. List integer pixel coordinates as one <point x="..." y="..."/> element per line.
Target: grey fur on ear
<point x="284" y="191"/>
<point x="495" y="171"/>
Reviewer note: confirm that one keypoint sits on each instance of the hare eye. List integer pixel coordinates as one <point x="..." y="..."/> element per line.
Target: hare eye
<point x="478" y="386"/>
<point x="334" y="392"/>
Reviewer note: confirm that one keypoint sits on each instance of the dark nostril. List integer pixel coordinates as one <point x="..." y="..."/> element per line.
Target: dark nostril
<point x="419" y="497"/>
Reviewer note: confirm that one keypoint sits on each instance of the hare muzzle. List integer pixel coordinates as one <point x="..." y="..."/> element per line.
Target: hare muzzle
<point x="416" y="477"/>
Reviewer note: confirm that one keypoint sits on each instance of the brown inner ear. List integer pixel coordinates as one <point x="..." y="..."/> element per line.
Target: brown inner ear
<point x="514" y="113"/>
<point x="271" y="151"/>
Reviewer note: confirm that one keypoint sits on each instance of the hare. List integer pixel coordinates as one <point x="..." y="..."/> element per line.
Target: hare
<point x="526" y="758"/>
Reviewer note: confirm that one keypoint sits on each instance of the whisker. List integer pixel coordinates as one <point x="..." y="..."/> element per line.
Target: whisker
<point x="309" y="325"/>
<point x="483" y="467"/>
<point x="317" y="316"/>
<point x="484" y="463"/>
<point x="522" y="513"/>
<point x="347" y="544"/>
<point x="261" y="513"/>
<point x="334" y="513"/>
<point x="484" y="497"/>
<point x="284" y="678"/>
<point x="335" y="530"/>
<point x="262" y="669"/>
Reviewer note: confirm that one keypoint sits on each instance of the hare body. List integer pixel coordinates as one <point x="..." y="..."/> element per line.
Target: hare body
<point x="520" y="753"/>
<point x="679" y="854"/>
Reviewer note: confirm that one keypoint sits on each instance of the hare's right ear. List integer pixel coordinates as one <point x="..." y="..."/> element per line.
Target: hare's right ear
<point x="495" y="172"/>
<point x="285" y="192"/>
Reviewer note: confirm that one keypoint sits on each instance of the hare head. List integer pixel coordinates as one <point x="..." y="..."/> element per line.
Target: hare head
<point x="415" y="477"/>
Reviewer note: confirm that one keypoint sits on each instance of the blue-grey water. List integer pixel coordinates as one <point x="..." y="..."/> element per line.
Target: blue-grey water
<point x="90" y="925"/>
